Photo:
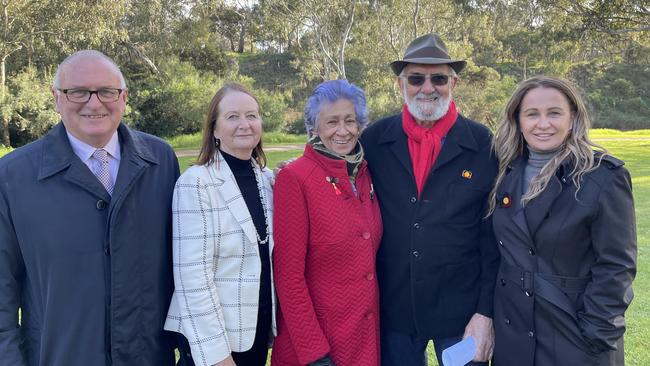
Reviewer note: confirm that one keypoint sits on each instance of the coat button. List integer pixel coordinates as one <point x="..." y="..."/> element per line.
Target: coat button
<point x="531" y="334"/>
<point x="107" y="251"/>
<point x="500" y="243"/>
<point x="507" y="321"/>
<point x="369" y="316"/>
<point x="413" y="199"/>
<point x="416" y="253"/>
<point x="416" y="225"/>
<point x="503" y="282"/>
<point x="366" y="235"/>
<point x="101" y="204"/>
<point x="529" y="294"/>
<point x="370" y="276"/>
<point x="531" y="251"/>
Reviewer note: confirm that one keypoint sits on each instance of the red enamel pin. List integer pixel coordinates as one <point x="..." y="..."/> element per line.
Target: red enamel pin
<point x="333" y="181"/>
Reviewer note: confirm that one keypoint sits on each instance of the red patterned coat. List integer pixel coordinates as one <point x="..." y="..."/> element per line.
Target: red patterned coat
<point x="324" y="264"/>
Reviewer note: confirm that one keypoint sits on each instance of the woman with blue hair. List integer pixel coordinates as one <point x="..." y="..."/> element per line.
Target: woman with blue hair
<point x="327" y="229"/>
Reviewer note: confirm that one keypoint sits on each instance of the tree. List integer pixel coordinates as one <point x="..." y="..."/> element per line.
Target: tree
<point x="50" y="30"/>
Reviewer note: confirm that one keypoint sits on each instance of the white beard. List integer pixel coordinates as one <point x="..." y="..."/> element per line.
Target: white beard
<point x="424" y="110"/>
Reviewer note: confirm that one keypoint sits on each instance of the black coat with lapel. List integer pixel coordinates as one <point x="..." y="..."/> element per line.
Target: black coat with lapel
<point x="437" y="261"/>
<point x="567" y="264"/>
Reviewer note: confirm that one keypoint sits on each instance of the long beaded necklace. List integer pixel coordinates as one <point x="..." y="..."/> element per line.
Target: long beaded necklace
<point x="262" y="193"/>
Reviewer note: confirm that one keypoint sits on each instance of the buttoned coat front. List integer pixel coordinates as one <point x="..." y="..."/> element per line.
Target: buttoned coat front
<point x="567" y="264"/>
<point x="91" y="273"/>
<point x="438" y="259"/>
<point x="217" y="266"/>
<point x="326" y="241"/>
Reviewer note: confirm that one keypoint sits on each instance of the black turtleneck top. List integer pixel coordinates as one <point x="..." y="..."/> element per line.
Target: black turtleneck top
<point x="245" y="177"/>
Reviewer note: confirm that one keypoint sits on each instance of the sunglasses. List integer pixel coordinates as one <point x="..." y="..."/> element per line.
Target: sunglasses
<point x="418" y="79"/>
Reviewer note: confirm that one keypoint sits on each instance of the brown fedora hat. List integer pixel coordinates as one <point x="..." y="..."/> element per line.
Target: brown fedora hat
<point x="428" y="49"/>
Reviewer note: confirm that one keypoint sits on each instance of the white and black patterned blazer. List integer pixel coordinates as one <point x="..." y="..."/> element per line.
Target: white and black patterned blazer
<point x="216" y="262"/>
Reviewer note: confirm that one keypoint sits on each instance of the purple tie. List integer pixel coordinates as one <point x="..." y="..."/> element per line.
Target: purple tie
<point x="103" y="173"/>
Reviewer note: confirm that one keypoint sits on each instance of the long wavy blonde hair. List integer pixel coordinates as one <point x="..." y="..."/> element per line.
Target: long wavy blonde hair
<point x="509" y="143"/>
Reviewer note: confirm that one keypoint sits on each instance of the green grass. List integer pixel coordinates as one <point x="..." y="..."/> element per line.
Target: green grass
<point x="606" y="133"/>
<point x="272" y="157"/>
<point x="637" y="337"/>
<point x="193" y="141"/>
<point x="4" y="150"/>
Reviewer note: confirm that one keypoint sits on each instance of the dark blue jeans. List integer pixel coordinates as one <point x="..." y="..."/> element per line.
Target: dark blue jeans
<point x="400" y="349"/>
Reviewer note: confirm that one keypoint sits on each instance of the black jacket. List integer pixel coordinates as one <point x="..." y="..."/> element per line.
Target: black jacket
<point x="577" y="259"/>
<point x="438" y="259"/>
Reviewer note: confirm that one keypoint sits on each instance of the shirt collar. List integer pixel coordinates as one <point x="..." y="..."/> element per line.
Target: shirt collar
<point x="85" y="151"/>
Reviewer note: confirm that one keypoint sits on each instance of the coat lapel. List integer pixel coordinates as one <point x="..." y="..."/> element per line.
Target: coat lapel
<point x="458" y="138"/>
<point x="135" y="159"/>
<point x="58" y="157"/>
<point x="537" y="209"/>
<point x="397" y="142"/>
<point x="512" y="187"/>
<point x="233" y="198"/>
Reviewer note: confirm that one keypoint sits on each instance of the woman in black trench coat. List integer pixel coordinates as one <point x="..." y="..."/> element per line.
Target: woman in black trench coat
<point x="563" y="216"/>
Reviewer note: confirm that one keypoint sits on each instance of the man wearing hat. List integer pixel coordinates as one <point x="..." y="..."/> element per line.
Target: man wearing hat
<point x="432" y="170"/>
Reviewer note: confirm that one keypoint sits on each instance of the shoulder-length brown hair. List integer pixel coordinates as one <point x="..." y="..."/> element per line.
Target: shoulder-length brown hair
<point x="208" y="145"/>
<point x="509" y="143"/>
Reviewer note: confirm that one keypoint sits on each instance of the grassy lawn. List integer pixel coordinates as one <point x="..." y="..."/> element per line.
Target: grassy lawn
<point x="193" y="141"/>
<point x="605" y="133"/>
<point x="4" y="150"/>
<point x="272" y="157"/>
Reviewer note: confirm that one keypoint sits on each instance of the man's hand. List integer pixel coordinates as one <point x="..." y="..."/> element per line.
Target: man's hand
<point x="480" y="327"/>
<point x="227" y="362"/>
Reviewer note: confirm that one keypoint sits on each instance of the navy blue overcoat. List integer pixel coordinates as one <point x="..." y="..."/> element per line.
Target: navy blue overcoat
<point x="92" y="274"/>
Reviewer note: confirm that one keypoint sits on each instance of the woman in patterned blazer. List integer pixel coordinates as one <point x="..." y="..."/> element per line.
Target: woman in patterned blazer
<point x="327" y="230"/>
<point x="223" y="301"/>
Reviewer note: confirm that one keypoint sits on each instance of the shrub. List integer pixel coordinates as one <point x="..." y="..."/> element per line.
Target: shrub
<point x="174" y="102"/>
<point x="30" y="106"/>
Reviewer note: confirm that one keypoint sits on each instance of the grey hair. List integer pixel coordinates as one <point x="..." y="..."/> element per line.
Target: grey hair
<point x="86" y="54"/>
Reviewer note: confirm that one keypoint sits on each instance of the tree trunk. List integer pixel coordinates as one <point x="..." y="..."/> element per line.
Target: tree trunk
<point x="6" y="140"/>
<point x="242" y="38"/>
<point x="344" y="41"/>
<point x="415" y="19"/>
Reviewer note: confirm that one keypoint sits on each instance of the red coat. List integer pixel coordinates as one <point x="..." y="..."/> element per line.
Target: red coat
<point x="324" y="264"/>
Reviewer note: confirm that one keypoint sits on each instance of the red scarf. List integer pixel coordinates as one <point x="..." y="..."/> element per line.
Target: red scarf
<point x="425" y="143"/>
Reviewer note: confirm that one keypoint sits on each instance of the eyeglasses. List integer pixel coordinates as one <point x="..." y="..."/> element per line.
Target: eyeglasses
<point x="105" y="95"/>
<point x="419" y="79"/>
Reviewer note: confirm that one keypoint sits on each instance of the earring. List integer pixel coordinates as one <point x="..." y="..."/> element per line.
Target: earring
<point x="217" y="142"/>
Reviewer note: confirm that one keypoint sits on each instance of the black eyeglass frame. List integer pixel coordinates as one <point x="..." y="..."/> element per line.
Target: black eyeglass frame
<point x="90" y="94"/>
<point x="419" y="79"/>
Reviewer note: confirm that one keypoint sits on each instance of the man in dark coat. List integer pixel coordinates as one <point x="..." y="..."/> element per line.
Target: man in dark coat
<point x="85" y="235"/>
<point x="432" y="170"/>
